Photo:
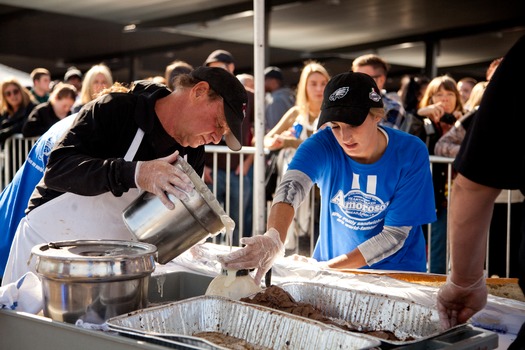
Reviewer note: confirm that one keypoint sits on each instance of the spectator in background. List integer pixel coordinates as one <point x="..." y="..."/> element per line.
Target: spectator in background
<point x="309" y="97"/>
<point x="279" y="98"/>
<point x="286" y="139"/>
<point x="97" y="78"/>
<point x="440" y="108"/>
<point x="225" y="60"/>
<point x="246" y="80"/>
<point x="73" y="76"/>
<point x="15" y="106"/>
<point x="448" y="144"/>
<point x="157" y="79"/>
<point x="48" y="113"/>
<point x="377" y="68"/>
<point x="41" y="84"/>
<point x="475" y="96"/>
<point x="174" y="69"/>
<point x="410" y="94"/>
<point x="492" y="68"/>
<point x="465" y="86"/>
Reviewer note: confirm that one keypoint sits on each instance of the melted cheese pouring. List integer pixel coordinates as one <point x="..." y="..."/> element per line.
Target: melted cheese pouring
<point x="229" y="226"/>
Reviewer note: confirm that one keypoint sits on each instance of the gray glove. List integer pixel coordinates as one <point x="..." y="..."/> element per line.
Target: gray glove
<point x="161" y="178"/>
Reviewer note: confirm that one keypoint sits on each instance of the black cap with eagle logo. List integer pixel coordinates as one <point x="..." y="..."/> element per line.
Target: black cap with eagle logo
<point x="348" y="98"/>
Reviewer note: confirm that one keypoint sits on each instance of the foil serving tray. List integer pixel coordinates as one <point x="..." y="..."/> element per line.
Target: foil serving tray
<point x="260" y="326"/>
<point x="409" y="321"/>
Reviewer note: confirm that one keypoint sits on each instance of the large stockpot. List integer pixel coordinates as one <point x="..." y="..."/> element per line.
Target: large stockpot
<point x="174" y="231"/>
<point x="93" y="280"/>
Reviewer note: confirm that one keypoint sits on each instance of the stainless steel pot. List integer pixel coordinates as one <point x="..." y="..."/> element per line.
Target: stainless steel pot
<point x="175" y="231"/>
<point x="93" y="280"/>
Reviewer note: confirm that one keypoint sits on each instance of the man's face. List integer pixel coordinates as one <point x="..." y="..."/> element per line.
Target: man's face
<point x="206" y="124"/>
<point x="76" y="82"/>
<point x="376" y="74"/>
<point x="43" y="83"/>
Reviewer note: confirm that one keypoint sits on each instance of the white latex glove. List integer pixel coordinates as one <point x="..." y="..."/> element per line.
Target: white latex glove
<point x="161" y="178"/>
<point x="457" y="304"/>
<point x="259" y="253"/>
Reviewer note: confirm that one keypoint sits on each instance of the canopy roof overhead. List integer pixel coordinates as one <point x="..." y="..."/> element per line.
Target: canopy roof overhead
<point x="139" y="38"/>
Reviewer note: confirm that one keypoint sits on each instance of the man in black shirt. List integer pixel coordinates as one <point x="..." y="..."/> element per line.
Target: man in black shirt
<point x="491" y="158"/>
<point x="122" y="143"/>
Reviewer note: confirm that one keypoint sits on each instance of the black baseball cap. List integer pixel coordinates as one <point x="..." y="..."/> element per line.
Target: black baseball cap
<point x="219" y="56"/>
<point x="234" y="95"/>
<point x="348" y="98"/>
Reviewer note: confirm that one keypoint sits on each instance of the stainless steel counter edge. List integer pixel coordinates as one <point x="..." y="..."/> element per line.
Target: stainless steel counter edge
<point x="45" y="334"/>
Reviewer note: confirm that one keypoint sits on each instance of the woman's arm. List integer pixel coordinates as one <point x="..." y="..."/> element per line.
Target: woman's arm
<point x="448" y="144"/>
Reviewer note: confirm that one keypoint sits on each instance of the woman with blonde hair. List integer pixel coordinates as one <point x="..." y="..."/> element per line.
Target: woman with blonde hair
<point x="309" y="97"/>
<point x="16" y="103"/>
<point x="97" y="78"/>
<point x="296" y="125"/>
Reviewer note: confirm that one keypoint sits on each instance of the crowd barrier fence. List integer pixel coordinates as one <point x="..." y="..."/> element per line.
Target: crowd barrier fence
<point x="17" y="147"/>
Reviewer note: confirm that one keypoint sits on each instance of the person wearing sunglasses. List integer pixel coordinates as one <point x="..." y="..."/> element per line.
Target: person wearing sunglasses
<point x="16" y="103"/>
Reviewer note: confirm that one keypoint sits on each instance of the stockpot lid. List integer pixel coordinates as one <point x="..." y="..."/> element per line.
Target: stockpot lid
<point x="94" y="259"/>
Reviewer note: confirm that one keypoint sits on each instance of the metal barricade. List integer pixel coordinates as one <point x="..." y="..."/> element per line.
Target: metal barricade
<point x="305" y="244"/>
<point x="13" y="155"/>
<point x="17" y="147"/>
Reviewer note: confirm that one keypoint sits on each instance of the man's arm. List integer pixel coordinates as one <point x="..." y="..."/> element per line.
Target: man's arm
<point x="470" y="214"/>
<point x="465" y="292"/>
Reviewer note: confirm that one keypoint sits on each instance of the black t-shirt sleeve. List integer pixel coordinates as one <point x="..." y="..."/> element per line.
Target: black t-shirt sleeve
<point x="493" y="151"/>
<point x="89" y="159"/>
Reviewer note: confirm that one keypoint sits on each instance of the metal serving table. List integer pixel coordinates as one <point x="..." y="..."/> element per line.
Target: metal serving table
<point x="25" y="331"/>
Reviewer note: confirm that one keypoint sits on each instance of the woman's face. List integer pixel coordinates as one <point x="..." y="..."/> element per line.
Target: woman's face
<point x="359" y="142"/>
<point x="63" y="106"/>
<point x="99" y="83"/>
<point x="13" y="95"/>
<point x="315" y="85"/>
<point x="446" y="98"/>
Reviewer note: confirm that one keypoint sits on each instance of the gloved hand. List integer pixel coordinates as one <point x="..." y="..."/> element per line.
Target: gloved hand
<point x="456" y="304"/>
<point x="259" y="253"/>
<point x="161" y="178"/>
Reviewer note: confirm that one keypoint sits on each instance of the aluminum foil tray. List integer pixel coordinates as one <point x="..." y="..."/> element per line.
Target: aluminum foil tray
<point x="257" y="325"/>
<point x="409" y="321"/>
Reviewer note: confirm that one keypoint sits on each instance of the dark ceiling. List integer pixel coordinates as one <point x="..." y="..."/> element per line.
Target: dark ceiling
<point x="460" y="37"/>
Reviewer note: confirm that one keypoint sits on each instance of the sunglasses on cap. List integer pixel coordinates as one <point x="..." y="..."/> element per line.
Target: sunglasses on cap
<point x="11" y="92"/>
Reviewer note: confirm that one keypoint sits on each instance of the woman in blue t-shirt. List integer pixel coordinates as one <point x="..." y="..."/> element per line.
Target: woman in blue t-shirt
<point x="375" y="182"/>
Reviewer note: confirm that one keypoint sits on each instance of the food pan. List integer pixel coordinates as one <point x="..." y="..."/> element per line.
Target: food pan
<point x="409" y="321"/>
<point x="259" y="326"/>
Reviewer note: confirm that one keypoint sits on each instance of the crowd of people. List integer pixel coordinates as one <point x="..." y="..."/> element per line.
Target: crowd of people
<point x="365" y="151"/>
